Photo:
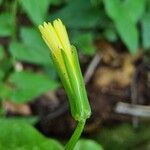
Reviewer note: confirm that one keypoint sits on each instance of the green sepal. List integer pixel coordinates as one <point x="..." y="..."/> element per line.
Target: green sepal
<point x="62" y="74"/>
<point x="80" y="107"/>
<point x="64" y="79"/>
<point x="81" y="81"/>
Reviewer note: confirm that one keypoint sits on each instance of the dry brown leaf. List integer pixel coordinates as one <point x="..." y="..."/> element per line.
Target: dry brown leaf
<point x="20" y="109"/>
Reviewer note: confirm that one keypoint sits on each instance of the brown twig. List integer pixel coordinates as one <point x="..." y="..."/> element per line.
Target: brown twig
<point x="132" y="109"/>
<point x="134" y="88"/>
<point x="91" y="68"/>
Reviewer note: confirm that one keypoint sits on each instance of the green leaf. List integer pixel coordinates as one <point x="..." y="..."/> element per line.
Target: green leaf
<point x="32" y="49"/>
<point x="128" y="33"/>
<point x="6" y="24"/>
<point x="2" y="53"/>
<point x="1" y="2"/>
<point x="24" y="53"/>
<point x="110" y="34"/>
<point x="112" y="8"/>
<point x="5" y="65"/>
<point x="125" y="21"/>
<point x="84" y="42"/>
<point x="30" y="119"/>
<point x="31" y="36"/>
<point x="1" y="75"/>
<point x="32" y="39"/>
<point x="135" y="9"/>
<point x="79" y="14"/>
<point x="56" y="2"/>
<point x="116" y="8"/>
<point x="5" y="91"/>
<point x="36" y="10"/>
<point x="146" y="31"/>
<point x="18" y="135"/>
<point x="30" y="85"/>
<point x="87" y="145"/>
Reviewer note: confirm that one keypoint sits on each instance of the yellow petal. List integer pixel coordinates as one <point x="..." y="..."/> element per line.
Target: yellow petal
<point x="62" y="35"/>
<point x="56" y="38"/>
<point x="52" y="41"/>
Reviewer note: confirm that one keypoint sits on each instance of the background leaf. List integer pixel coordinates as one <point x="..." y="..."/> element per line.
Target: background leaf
<point x="146" y="31"/>
<point x="29" y="86"/>
<point x="136" y="9"/>
<point x="128" y="33"/>
<point x="110" y="34"/>
<point x="87" y="145"/>
<point x="1" y="75"/>
<point x="79" y="14"/>
<point x="32" y="49"/>
<point x="5" y="66"/>
<point x="5" y="91"/>
<point x="2" y="53"/>
<point x="124" y="137"/>
<point x="115" y="9"/>
<point x="112" y="8"/>
<point x="6" y="24"/>
<point x="84" y="42"/>
<point x="125" y="21"/>
<point x="33" y="40"/>
<point x="1" y="2"/>
<point x="18" y="135"/>
<point x="40" y="10"/>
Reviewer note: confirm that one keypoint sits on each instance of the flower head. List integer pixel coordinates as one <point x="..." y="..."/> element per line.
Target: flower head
<point x="65" y="58"/>
<point x="55" y="36"/>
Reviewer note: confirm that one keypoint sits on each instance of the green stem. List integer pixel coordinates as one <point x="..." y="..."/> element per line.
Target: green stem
<point x="76" y="135"/>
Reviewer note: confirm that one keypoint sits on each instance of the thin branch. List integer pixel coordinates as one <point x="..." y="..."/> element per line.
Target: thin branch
<point x="91" y="68"/>
<point x="76" y="135"/>
<point x="134" y="110"/>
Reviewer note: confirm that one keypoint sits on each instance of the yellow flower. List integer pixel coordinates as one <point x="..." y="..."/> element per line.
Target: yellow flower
<point x="56" y="37"/>
<point x="65" y="58"/>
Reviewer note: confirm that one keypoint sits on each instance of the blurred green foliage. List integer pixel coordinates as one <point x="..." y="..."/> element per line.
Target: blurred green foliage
<point x="125" y="137"/>
<point x="37" y="16"/>
<point x="87" y="145"/>
<point x="29" y="85"/>
<point x="31" y="48"/>
<point x="125" y="15"/>
<point x="19" y="135"/>
<point x="7" y="26"/>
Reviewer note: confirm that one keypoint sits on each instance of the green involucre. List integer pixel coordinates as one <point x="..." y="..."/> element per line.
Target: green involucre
<point x="79" y="103"/>
<point x="73" y="83"/>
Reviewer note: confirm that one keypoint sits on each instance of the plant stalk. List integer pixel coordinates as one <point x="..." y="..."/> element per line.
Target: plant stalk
<point x="76" y="135"/>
